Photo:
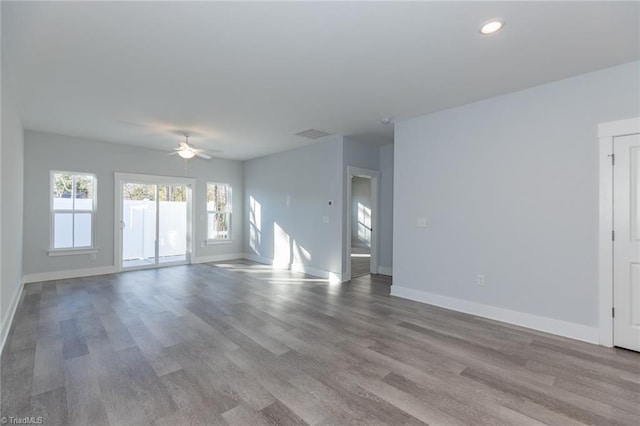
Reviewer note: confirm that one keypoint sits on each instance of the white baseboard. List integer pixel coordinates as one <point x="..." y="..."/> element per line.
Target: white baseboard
<point x="217" y="258"/>
<point x="72" y="273"/>
<point x="296" y="267"/>
<point x="385" y="270"/>
<point x="259" y="259"/>
<point x="359" y="245"/>
<point x="8" y="316"/>
<point x="535" y="322"/>
<point x="333" y="277"/>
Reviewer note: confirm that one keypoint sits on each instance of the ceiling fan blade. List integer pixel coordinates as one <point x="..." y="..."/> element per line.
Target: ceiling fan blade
<point x="202" y="155"/>
<point x="173" y="153"/>
<point x="184" y="145"/>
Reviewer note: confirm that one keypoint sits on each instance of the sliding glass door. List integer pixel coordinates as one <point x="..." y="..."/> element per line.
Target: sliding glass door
<point x="155" y="226"/>
<point x="139" y="224"/>
<point x="172" y="225"/>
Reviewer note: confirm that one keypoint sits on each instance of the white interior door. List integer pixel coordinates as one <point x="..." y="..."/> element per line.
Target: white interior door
<point x="626" y="218"/>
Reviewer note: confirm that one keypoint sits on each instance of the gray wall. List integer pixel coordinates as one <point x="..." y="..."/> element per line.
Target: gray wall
<point x="292" y="190"/>
<point x="385" y="258"/>
<point x="11" y="171"/>
<point x="360" y="194"/>
<point x="45" y="152"/>
<point x="361" y="154"/>
<point x="509" y="187"/>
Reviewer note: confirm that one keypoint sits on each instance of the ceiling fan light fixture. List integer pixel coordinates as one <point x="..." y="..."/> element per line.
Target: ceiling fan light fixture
<point x="186" y="154"/>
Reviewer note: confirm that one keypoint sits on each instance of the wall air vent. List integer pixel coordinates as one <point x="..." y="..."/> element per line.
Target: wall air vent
<point x="312" y="134"/>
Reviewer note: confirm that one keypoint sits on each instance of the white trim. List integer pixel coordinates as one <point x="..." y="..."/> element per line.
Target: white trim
<point x="72" y="251"/>
<point x="374" y="175"/>
<point x="259" y="259"/>
<point x="9" y="315"/>
<point x="52" y="212"/>
<point x="607" y="133"/>
<point x="217" y="258"/>
<point x="333" y="277"/>
<point x="189" y="183"/>
<point x="385" y="270"/>
<point x="630" y="126"/>
<point x="605" y="245"/>
<point x="71" y="273"/>
<point x="535" y="322"/>
<point x="230" y="197"/>
<point x="153" y="179"/>
<point x="216" y="242"/>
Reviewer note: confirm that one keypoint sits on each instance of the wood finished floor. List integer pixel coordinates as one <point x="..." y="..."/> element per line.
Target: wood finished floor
<point x="237" y="343"/>
<point x="360" y="265"/>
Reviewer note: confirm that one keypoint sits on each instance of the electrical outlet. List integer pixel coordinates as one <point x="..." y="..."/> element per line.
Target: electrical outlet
<point x="480" y="279"/>
<point x="325" y="219"/>
<point x="422" y="222"/>
<point x="92" y="256"/>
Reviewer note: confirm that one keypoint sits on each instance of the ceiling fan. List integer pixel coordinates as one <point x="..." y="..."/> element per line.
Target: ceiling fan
<point x="187" y="151"/>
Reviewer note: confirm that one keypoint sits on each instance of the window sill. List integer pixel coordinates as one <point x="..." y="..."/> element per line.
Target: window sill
<point x="72" y="251"/>
<point x="214" y="242"/>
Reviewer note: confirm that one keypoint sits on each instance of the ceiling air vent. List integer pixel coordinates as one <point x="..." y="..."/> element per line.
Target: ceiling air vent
<point x="312" y="134"/>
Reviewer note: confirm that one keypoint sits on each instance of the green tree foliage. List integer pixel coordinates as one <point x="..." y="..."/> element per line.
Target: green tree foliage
<point x="219" y="205"/>
<point x="67" y="185"/>
<point x="138" y="191"/>
<point x="172" y="193"/>
<point x="220" y="196"/>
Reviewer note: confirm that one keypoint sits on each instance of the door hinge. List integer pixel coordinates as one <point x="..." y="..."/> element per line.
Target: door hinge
<point x="613" y="235"/>
<point x="613" y="312"/>
<point x="613" y="159"/>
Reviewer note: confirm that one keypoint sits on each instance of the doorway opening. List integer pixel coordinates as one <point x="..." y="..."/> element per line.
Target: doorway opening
<point x="620" y="234"/>
<point x="361" y="217"/>
<point x="155" y="224"/>
<point x="361" y="226"/>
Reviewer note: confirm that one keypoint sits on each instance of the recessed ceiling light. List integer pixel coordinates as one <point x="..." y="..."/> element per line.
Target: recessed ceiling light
<point x="491" y="26"/>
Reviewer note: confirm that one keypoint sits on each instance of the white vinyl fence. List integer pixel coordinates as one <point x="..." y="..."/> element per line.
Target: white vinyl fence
<point x="139" y="232"/>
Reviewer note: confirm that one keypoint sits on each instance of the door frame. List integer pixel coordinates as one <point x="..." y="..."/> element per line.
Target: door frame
<point x="119" y="179"/>
<point x="608" y="132"/>
<point x="374" y="175"/>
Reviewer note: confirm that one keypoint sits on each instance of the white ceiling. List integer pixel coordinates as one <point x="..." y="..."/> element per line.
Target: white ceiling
<point x="244" y="77"/>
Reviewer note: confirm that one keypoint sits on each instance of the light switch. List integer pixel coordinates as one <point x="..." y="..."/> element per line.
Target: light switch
<point x="422" y="222"/>
<point x="325" y="219"/>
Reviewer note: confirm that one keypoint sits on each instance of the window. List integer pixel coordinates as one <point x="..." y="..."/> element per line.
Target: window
<point x="73" y="210"/>
<point x="218" y="211"/>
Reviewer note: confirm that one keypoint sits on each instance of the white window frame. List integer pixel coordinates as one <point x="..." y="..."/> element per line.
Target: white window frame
<point x="215" y="212"/>
<point x="92" y="249"/>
